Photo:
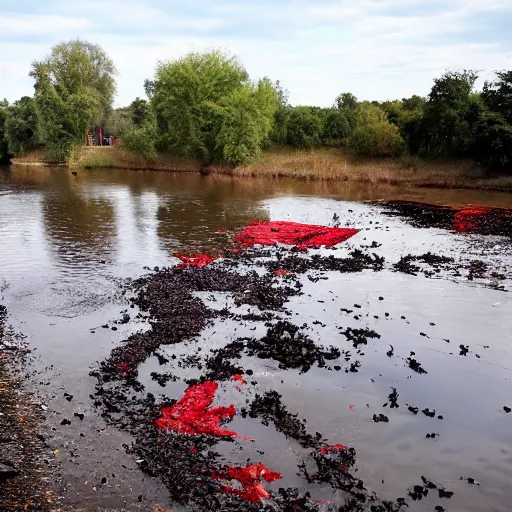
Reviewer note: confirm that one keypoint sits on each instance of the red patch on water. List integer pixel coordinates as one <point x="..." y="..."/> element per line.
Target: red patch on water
<point x="192" y="413"/>
<point x="123" y="368"/>
<point x="282" y="272"/>
<point x="303" y="236"/>
<point x="239" y="378"/>
<point x="467" y="219"/>
<point x="194" y="260"/>
<point x="335" y="448"/>
<point x="250" y="478"/>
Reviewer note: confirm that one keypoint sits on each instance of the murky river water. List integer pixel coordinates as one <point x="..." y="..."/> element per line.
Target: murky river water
<point x="66" y="244"/>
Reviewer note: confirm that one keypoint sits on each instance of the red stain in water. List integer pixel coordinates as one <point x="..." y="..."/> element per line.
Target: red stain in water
<point x="192" y="413"/>
<point x="335" y="448"/>
<point x="239" y="378"/>
<point x="250" y="478"/>
<point x="194" y="260"/>
<point x="303" y="236"/>
<point x="123" y="368"/>
<point x="282" y="272"/>
<point x="467" y="219"/>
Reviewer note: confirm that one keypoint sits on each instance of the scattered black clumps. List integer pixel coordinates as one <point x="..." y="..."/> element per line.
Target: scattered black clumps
<point x="163" y="378"/>
<point x="429" y="413"/>
<point x="357" y="262"/>
<point x="443" y="493"/>
<point x="463" y="350"/>
<point x="360" y="336"/>
<point x="508" y="410"/>
<point x="415" y="365"/>
<point x="219" y="364"/>
<point x="436" y="262"/>
<point x="270" y="409"/>
<point x="470" y="480"/>
<point x="176" y="314"/>
<point x="393" y="399"/>
<point x="491" y="221"/>
<point x="186" y="465"/>
<point x="285" y="343"/>
<point x="418" y="492"/>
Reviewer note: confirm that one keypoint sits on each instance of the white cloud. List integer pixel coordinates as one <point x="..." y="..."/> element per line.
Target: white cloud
<point x="377" y="49"/>
<point x="30" y="25"/>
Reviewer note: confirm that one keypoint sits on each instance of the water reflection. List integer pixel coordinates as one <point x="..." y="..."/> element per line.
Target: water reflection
<point x="80" y="228"/>
<point x="73" y="223"/>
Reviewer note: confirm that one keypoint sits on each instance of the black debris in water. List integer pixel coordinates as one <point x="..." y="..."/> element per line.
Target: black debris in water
<point x="380" y="418"/>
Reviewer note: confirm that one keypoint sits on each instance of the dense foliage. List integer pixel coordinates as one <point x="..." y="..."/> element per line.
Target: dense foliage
<point x="4" y="145"/>
<point x="21" y="128"/>
<point x="205" y="107"/>
<point x="74" y="91"/>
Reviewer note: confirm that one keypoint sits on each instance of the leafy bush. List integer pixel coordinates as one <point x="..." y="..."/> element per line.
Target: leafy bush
<point x="336" y="127"/>
<point x="21" y="126"/>
<point x="304" y="128"/>
<point x="207" y="109"/>
<point x="377" y="139"/>
<point x="141" y="141"/>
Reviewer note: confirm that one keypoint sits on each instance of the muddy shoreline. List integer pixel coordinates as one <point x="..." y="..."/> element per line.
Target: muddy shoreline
<point x="26" y="468"/>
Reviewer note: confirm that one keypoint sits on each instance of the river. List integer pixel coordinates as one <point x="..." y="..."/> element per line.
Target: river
<point x="67" y="244"/>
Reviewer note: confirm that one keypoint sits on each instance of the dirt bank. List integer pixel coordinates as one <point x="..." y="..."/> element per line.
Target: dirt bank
<point x="25" y="464"/>
<point x="325" y="164"/>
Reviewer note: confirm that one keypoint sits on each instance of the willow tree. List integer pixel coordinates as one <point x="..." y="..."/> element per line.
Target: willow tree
<point x="74" y="91"/>
<point x="207" y="109"/>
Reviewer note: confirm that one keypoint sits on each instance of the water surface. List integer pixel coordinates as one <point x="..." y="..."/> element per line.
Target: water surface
<point x="67" y="243"/>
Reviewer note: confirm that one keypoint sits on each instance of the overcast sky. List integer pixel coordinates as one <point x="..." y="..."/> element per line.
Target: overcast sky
<point x="376" y="49"/>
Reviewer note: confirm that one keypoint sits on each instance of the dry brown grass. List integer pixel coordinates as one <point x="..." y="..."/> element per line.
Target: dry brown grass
<point x="322" y="165"/>
<point x="117" y="157"/>
<point x="328" y="164"/>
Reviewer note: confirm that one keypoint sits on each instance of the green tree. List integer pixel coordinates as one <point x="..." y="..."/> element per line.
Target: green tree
<point x="278" y="133"/>
<point x="140" y="111"/>
<point x="119" y="122"/>
<point x="74" y="90"/>
<point x="377" y="139"/>
<point x="497" y="95"/>
<point x="185" y="96"/>
<point x="21" y="126"/>
<point x="347" y="103"/>
<point x="446" y="125"/>
<point x="247" y="116"/>
<point x="346" y="100"/>
<point x="493" y="127"/>
<point x="141" y="141"/>
<point x="368" y="113"/>
<point x="4" y="149"/>
<point x="336" y="127"/>
<point x="305" y="128"/>
<point x="374" y="135"/>
<point x="205" y="105"/>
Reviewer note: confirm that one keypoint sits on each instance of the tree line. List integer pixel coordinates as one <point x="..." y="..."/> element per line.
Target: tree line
<point x="205" y="107"/>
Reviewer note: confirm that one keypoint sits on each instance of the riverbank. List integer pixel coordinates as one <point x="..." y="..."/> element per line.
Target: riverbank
<point x="24" y="467"/>
<point x="324" y="164"/>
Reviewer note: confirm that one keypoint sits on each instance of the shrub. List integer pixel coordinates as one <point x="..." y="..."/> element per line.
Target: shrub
<point x="377" y="139"/>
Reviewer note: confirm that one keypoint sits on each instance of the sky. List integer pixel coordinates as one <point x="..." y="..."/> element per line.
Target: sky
<point x="376" y="49"/>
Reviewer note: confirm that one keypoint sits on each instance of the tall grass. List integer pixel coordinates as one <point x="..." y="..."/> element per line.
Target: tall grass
<point x="323" y="165"/>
